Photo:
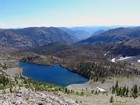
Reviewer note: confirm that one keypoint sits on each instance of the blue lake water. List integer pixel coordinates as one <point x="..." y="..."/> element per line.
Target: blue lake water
<point x="51" y="74"/>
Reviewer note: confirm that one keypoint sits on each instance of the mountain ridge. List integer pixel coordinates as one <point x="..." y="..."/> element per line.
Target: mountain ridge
<point x="113" y="36"/>
<point x="33" y="37"/>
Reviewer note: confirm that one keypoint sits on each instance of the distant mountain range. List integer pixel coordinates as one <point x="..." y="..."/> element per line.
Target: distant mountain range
<point x="77" y="35"/>
<point x="93" y="29"/>
<point x="33" y="37"/>
<point x="42" y="36"/>
<point x="112" y="36"/>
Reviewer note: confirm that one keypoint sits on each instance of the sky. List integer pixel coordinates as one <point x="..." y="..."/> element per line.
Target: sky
<point x="68" y="13"/>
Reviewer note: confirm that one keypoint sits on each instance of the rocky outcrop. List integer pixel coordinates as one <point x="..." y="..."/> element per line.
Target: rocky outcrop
<point x="28" y="97"/>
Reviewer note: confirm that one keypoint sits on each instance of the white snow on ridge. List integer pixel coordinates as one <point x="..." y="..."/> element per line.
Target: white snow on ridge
<point x="139" y="61"/>
<point x="124" y="58"/>
<point x="113" y="60"/>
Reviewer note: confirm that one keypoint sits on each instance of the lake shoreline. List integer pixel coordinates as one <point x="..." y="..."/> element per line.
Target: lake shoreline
<point x="55" y="74"/>
<point x="51" y="60"/>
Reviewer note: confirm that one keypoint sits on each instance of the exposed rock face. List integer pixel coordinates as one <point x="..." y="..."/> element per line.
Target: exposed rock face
<point x="28" y="97"/>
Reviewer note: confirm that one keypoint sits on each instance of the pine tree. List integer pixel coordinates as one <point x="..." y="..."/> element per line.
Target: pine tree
<point x="92" y="91"/>
<point x="124" y="90"/>
<point x="127" y="91"/>
<point x="135" y="91"/>
<point x="111" y="99"/>
<point x="113" y="90"/>
<point x="11" y="90"/>
<point x="117" y="85"/>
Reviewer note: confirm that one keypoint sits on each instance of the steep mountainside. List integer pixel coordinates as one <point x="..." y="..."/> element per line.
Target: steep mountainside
<point x="33" y="37"/>
<point x="135" y="42"/>
<point x="113" y="36"/>
<point x="127" y="48"/>
<point x="11" y="39"/>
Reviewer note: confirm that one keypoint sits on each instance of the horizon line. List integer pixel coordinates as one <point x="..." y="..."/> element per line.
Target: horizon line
<point x="76" y="26"/>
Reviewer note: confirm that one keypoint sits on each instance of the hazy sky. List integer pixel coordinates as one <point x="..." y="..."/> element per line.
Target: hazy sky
<point x="24" y="13"/>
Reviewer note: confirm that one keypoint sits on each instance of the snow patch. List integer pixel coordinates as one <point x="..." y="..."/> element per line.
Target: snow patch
<point x="113" y="60"/>
<point x="106" y="53"/>
<point x="101" y="89"/>
<point x="124" y="58"/>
